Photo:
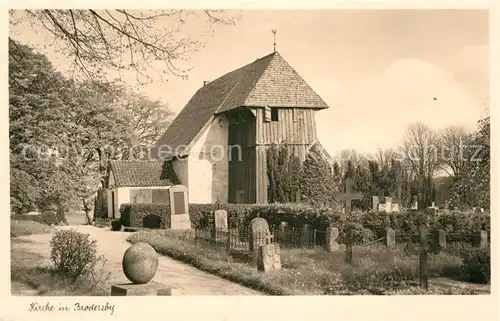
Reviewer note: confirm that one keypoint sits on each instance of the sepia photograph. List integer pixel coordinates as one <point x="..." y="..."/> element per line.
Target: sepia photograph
<point x="185" y="152"/>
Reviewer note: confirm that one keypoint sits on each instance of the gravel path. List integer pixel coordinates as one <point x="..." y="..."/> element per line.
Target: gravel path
<point x="185" y="279"/>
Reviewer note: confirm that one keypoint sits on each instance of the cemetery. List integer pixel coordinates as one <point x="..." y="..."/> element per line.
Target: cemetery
<point x="299" y="249"/>
<point x="237" y="189"/>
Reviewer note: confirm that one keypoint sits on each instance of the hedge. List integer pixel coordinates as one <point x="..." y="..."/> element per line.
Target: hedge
<point x="295" y="214"/>
<point x="145" y="215"/>
<point x="363" y="227"/>
<point x="477" y="265"/>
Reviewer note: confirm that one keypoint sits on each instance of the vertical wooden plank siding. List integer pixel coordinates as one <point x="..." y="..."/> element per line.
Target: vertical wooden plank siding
<point x="295" y="127"/>
<point x="242" y="164"/>
<point x="299" y="130"/>
<point x="302" y="130"/>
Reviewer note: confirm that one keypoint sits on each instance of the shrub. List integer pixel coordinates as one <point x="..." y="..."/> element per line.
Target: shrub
<point x="476" y="265"/>
<point x="145" y="215"/>
<point x="316" y="181"/>
<point x="73" y="254"/>
<point x="356" y="233"/>
<point x="116" y="225"/>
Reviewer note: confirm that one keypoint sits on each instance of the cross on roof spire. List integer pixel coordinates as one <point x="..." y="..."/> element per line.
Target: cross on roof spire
<point x="274" y="34"/>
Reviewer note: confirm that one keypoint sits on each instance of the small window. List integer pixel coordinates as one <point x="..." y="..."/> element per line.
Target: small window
<point x="274" y="114"/>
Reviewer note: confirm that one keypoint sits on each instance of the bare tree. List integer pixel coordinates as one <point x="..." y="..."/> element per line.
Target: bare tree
<point x="453" y="143"/>
<point x="419" y="146"/>
<point x="122" y="39"/>
<point x="384" y="157"/>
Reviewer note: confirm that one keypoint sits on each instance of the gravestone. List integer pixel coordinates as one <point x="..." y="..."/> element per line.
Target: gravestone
<point x="284" y="232"/>
<point x="348" y="196"/>
<point x="375" y="203"/>
<point x="306" y="235"/>
<point x="480" y="239"/>
<point x="258" y="233"/>
<point x="139" y="264"/>
<point x="390" y="239"/>
<point x="395" y="208"/>
<point x="268" y="257"/>
<point x="332" y="233"/>
<point x="219" y="225"/>
<point x="381" y="207"/>
<point x="414" y="203"/>
<point x="441" y="238"/>
<point x="388" y="204"/>
<point x="220" y="220"/>
<point x="179" y="208"/>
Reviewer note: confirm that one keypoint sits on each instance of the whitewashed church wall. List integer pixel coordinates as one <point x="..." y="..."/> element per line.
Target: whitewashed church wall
<point x="208" y="164"/>
<point x="181" y="170"/>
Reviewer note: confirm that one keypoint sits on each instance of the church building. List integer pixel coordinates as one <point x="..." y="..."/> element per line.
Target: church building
<point x="216" y="146"/>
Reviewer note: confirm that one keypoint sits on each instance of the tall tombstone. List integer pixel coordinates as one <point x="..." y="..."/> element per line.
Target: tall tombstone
<point x="179" y="208"/>
<point x="421" y="203"/>
<point x="375" y="202"/>
<point x="331" y="239"/>
<point x="258" y="233"/>
<point x="268" y="257"/>
<point x="218" y="224"/>
<point x="284" y="232"/>
<point x="414" y="203"/>
<point x="390" y="238"/>
<point x="388" y="204"/>
<point x="306" y="235"/>
<point x="220" y="220"/>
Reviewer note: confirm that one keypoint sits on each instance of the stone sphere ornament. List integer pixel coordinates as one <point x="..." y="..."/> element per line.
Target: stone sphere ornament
<point x="140" y="263"/>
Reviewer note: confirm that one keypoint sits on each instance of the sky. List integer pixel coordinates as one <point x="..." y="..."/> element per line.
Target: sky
<point x="378" y="70"/>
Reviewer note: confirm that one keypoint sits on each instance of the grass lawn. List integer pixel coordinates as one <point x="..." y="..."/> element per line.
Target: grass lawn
<point x="47" y="283"/>
<point x="311" y="271"/>
<point x="31" y="274"/>
<point x="27" y="227"/>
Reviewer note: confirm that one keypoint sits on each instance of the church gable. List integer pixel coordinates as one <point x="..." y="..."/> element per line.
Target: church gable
<point x="268" y="81"/>
<point x="281" y="86"/>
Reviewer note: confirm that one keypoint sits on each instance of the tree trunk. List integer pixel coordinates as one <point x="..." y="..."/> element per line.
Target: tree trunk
<point x="86" y="208"/>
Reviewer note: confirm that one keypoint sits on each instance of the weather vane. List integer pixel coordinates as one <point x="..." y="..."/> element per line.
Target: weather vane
<point x="274" y="33"/>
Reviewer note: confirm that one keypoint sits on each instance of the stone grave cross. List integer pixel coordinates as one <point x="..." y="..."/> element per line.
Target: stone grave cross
<point x="422" y="250"/>
<point x="349" y="195"/>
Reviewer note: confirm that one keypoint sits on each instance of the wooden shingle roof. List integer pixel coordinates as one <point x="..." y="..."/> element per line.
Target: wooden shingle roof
<point x="268" y="81"/>
<point x="139" y="173"/>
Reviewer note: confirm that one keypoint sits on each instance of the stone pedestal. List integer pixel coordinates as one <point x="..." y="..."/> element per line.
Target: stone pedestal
<point x="148" y="289"/>
<point x="180" y="222"/>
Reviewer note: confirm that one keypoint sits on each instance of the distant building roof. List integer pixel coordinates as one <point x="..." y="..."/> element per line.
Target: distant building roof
<point x="137" y="173"/>
<point x="268" y="81"/>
